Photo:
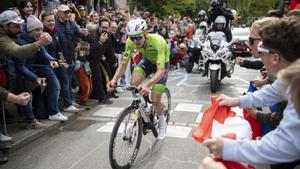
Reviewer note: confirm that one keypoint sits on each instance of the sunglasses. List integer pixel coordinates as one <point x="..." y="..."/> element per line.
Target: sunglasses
<point x="136" y="38"/>
<point x="261" y="49"/>
<point x="252" y="40"/>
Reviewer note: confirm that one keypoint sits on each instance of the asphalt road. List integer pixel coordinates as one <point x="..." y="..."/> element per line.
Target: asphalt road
<point x="83" y="143"/>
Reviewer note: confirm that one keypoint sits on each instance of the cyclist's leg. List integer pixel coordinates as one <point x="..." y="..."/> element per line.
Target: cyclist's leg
<point x="157" y="90"/>
<point x="156" y="94"/>
<point x="140" y="72"/>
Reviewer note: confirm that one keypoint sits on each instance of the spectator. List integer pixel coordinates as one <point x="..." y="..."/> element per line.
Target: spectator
<point x="120" y="49"/>
<point x="74" y="13"/>
<point x="98" y="39"/>
<point x="109" y="62"/>
<point x="49" y="5"/>
<point x="68" y="34"/>
<point x="10" y="29"/>
<point x="55" y="50"/>
<point x="44" y="70"/>
<point x="83" y="71"/>
<point x="278" y="50"/>
<point x="254" y="39"/>
<point x="94" y="21"/>
<point x="83" y="17"/>
<point x="26" y="9"/>
<point x="291" y="76"/>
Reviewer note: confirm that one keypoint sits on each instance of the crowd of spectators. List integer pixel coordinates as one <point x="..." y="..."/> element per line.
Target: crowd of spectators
<point x="55" y="61"/>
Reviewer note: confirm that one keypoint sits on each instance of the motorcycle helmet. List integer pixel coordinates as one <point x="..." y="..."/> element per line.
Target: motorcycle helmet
<point x="214" y="3"/>
<point x="201" y="13"/>
<point x="220" y="19"/>
<point x="136" y="26"/>
<point x="203" y="24"/>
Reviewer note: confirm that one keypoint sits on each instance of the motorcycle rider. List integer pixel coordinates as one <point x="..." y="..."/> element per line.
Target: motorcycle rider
<point x="204" y="29"/>
<point x="201" y="18"/>
<point x="219" y="8"/>
<point x="219" y="25"/>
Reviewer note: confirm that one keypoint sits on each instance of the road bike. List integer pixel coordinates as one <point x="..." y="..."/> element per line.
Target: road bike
<point x="138" y="118"/>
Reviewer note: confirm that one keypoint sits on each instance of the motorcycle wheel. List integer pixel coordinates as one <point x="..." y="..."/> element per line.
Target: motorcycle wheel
<point x="214" y="80"/>
<point x="189" y="65"/>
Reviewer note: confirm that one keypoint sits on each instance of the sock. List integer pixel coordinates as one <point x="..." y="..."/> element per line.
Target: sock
<point x="161" y="120"/>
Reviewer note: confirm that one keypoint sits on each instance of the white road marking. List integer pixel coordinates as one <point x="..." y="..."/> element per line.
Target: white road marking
<point x="199" y="117"/>
<point x="172" y="131"/>
<point x="178" y="132"/>
<point x="183" y="80"/>
<point x="238" y="78"/>
<point x="108" y="111"/>
<point x="187" y="107"/>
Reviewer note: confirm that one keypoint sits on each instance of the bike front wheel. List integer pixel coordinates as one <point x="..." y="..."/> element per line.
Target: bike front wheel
<point x="166" y="100"/>
<point x="125" y="139"/>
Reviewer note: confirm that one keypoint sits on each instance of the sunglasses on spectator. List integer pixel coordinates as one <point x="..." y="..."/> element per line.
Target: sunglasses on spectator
<point x="252" y="40"/>
<point x="261" y="49"/>
<point x="136" y="38"/>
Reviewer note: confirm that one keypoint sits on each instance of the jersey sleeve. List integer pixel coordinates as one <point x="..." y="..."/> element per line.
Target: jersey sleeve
<point x="128" y="51"/>
<point x="161" y="56"/>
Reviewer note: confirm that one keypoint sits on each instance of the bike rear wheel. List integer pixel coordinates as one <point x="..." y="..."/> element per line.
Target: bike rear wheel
<point x="125" y="139"/>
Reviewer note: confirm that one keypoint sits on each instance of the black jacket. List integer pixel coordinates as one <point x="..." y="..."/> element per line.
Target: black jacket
<point x="257" y="64"/>
<point x="219" y="11"/>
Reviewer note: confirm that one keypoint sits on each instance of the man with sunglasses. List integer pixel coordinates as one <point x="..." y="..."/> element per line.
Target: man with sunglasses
<point x="277" y="50"/>
<point x="155" y="60"/>
<point x="253" y="41"/>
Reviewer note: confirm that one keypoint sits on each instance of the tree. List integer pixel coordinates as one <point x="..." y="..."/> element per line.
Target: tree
<point x="245" y="8"/>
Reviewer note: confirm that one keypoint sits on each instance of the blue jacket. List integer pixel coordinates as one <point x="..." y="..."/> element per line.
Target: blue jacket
<point x="25" y="67"/>
<point x="68" y="34"/>
<point x="281" y="145"/>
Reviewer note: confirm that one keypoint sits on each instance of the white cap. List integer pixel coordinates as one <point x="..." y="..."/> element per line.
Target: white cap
<point x="63" y="8"/>
<point x="10" y="16"/>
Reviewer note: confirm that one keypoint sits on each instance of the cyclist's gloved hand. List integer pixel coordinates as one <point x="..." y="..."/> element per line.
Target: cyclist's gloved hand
<point x="110" y="86"/>
<point x="144" y="90"/>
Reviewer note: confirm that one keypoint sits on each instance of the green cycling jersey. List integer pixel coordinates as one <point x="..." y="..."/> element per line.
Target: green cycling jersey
<point x="155" y="50"/>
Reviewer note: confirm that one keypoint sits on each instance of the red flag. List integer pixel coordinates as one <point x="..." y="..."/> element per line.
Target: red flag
<point x="221" y="121"/>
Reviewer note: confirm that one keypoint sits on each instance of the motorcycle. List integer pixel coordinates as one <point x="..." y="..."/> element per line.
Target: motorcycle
<point x="218" y="60"/>
<point x="194" y="52"/>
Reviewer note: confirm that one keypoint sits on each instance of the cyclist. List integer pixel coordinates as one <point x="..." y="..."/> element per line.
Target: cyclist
<point x="155" y="60"/>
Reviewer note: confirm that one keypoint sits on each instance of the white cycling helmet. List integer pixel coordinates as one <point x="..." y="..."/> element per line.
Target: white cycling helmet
<point x="136" y="26"/>
<point x="220" y="19"/>
<point x="203" y="23"/>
